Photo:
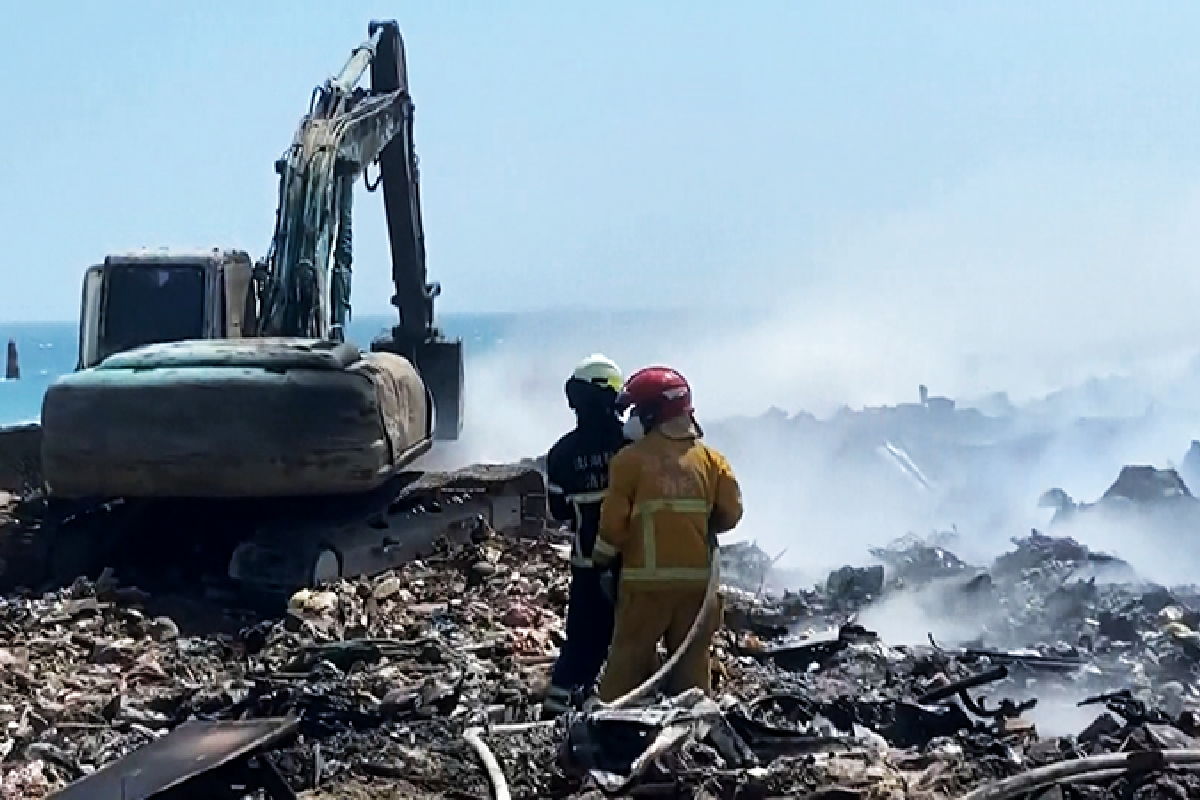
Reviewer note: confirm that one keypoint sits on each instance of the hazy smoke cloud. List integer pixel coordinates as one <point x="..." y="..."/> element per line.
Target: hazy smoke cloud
<point x="1029" y="278"/>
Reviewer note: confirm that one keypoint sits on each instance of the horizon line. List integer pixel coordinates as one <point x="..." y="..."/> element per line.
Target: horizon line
<point x="538" y="311"/>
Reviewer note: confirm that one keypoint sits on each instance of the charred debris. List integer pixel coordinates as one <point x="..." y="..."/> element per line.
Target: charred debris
<point x="953" y="463"/>
<point x="1052" y="671"/>
<point x="426" y="681"/>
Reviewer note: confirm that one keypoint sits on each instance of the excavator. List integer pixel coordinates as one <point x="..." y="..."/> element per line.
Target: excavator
<point x="219" y="419"/>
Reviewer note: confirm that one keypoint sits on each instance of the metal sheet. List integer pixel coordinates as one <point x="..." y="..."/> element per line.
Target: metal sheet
<point x="191" y="749"/>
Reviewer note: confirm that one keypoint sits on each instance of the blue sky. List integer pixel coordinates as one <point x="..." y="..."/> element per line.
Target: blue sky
<point x="615" y="154"/>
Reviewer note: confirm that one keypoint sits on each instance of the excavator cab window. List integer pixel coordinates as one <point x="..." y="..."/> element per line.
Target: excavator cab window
<point x="150" y="304"/>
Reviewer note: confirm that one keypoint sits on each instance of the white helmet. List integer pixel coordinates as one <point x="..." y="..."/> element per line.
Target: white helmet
<point x="599" y="370"/>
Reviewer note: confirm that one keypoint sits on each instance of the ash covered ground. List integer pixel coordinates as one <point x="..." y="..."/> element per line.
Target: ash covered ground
<point x="932" y="666"/>
<point x="1060" y="653"/>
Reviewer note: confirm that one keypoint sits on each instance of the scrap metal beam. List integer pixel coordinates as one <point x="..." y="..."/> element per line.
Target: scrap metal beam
<point x="194" y="749"/>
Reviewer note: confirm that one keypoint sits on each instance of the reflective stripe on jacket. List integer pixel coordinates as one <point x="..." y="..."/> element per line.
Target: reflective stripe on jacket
<point x="578" y="500"/>
<point x="576" y="479"/>
<point x="668" y="493"/>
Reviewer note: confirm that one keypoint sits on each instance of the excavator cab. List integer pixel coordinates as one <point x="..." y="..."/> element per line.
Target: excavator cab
<point x="155" y="297"/>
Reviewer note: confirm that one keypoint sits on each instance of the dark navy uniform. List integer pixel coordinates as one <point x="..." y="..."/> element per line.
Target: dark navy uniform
<point x="577" y="478"/>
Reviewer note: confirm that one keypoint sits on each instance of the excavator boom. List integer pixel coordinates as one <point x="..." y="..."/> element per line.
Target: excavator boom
<point x="306" y="280"/>
<point x="402" y="196"/>
<point x="345" y="130"/>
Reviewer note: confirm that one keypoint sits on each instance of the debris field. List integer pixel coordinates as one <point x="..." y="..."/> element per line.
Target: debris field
<point x="1080" y="680"/>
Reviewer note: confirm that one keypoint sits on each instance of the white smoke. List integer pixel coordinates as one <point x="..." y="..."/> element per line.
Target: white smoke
<point x="1028" y="278"/>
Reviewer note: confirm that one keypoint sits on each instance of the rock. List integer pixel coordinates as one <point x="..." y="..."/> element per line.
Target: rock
<point x="53" y="754"/>
<point x="82" y="607"/>
<point x="480" y="571"/>
<point x="387" y="588"/>
<point x="133" y="619"/>
<point x="428" y="609"/>
<point x="521" y="616"/>
<point x="1181" y="633"/>
<point x="114" y="652"/>
<point x="112" y="708"/>
<point x="321" y="603"/>
<point x="854" y="584"/>
<point x="162" y="629"/>
<point x="81" y="588"/>
<point x="481" y="531"/>
<point x="1103" y="725"/>
<point x="300" y="599"/>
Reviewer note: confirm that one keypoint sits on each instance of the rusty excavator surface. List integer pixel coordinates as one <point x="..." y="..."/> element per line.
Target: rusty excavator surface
<point x="217" y="413"/>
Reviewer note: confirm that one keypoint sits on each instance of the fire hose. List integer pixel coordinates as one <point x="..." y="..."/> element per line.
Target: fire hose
<point x="490" y="764"/>
<point x="1107" y="766"/>
<point x="647" y="688"/>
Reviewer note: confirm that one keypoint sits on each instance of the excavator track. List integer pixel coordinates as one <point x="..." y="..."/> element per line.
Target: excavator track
<point x="257" y="551"/>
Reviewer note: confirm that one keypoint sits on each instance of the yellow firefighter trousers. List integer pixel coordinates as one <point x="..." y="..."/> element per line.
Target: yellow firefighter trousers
<point x="644" y="616"/>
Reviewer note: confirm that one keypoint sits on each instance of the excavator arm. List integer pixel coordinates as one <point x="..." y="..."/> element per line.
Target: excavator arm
<point x="345" y="129"/>
<point x="402" y="196"/>
<point x="439" y="360"/>
<point x="304" y="285"/>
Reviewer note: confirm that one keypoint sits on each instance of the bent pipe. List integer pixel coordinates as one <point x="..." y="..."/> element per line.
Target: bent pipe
<point x="703" y="617"/>
<point x="949" y="690"/>
<point x="1106" y="775"/>
<point x="1112" y="764"/>
<point x="490" y="764"/>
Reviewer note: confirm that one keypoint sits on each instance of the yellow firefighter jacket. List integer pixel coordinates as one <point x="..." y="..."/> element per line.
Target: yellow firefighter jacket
<point x="668" y="493"/>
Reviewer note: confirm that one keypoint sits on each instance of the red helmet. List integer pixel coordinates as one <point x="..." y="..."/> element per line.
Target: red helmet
<point x="656" y="394"/>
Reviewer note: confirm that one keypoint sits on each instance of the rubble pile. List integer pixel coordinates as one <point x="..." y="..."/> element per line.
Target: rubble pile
<point x="1057" y="624"/>
<point x="367" y="688"/>
<point x="384" y="673"/>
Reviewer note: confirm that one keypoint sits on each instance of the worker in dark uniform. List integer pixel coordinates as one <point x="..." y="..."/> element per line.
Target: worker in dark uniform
<point x="577" y="478"/>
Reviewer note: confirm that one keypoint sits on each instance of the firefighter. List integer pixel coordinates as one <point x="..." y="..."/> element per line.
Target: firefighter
<point x="577" y="477"/>
<point x="669" y="497"/>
